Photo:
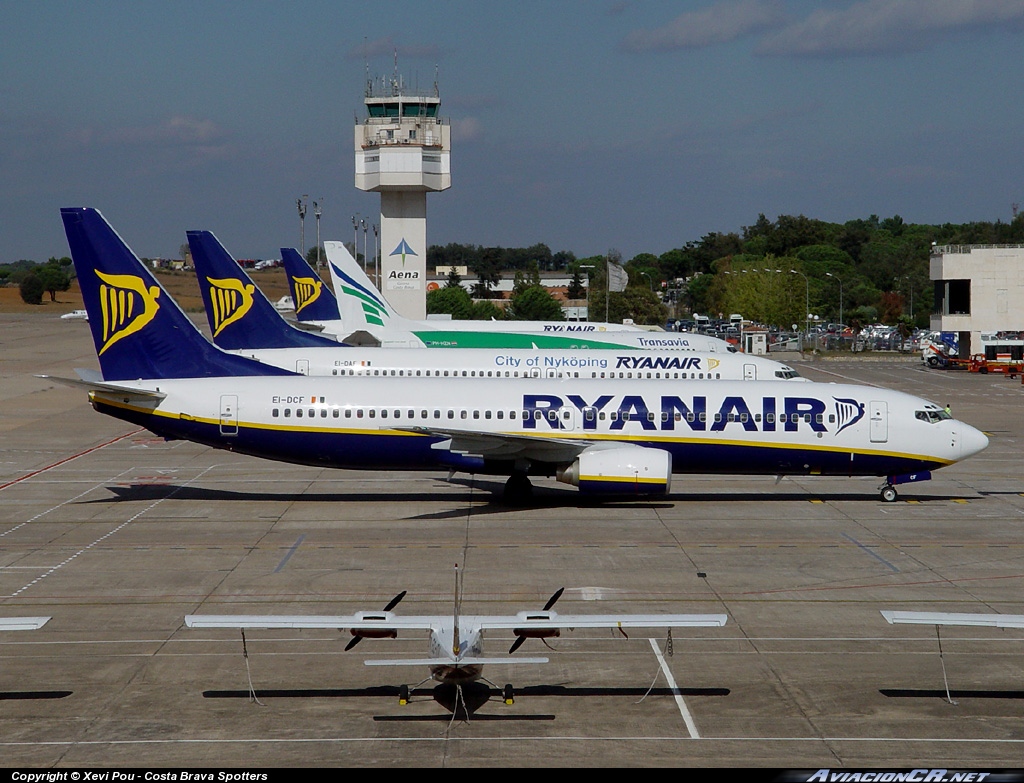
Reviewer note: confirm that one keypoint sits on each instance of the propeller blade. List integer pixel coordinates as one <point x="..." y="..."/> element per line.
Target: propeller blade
<point x="395" y="601"/>
<point x="554" y="598"/>
<point x="516" y="644"/>
<point x="353" y="643"/>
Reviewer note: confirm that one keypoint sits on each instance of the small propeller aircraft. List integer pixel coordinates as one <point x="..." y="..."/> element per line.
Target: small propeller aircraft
<point x="456" y="641"/>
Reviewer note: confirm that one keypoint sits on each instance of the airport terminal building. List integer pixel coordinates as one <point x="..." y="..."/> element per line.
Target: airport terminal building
<point x="977" y="291"/>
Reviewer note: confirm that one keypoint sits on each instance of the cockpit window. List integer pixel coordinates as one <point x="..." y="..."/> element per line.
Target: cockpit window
<point x="787" y="373"/>
<point x="932" y="416"/>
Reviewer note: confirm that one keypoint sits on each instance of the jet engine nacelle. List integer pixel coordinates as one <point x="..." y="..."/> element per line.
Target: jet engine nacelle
<point x="625" y="470"/>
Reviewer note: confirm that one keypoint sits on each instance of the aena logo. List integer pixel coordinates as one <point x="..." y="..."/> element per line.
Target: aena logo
<point x="126" y="306"/>
<point x="403" y="250"/>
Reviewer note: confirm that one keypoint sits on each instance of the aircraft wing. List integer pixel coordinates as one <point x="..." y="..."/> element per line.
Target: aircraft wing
<point x="505" y="445"/>
<point x="22" y="623"/>
<point x="364" y="621"/>
<point x="955" y="618"/>
<point x="459" y="661"/>
<point x="545" y="620"/>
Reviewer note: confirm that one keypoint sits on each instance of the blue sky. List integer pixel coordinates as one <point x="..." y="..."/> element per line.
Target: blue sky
<point x="585" y="125"/>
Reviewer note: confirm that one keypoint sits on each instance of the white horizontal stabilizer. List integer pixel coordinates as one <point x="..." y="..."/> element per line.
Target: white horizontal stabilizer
<point x="22" y="623"/>
<point x="955" y="618"/>
<point x="451" y="661"/>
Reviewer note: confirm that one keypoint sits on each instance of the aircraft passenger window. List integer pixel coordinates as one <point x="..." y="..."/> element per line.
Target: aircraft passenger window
<point x="336" y="413"/>
<point x="412" y="414"/>
<point x="298" y="412"/>
<point x="537" y="415"/>
<point x="348" y="413"/>
<point x="274" y="413"/>
<point x="418" y="373"/>
<point x="323" y="413"/>
<point x="287" y="413"/>
<point x="769" y="418"/>
<point x="515" y="374"/>
<point x="312" y="413"/>
<point x="757" y="417"/>
<point x="392" y="372"/>
<point x="373" y="413"/>
<point x="463" y="414"/>
<point x="437" y="414"/>
<point x="744" y="417"/>
<point x="463" y="373"/>
<point x="718" y="375"/>
<point x="690" y="417"/>
<point x="334" y="372"/>
<point x="511" y="414"/>
<point x="819" y="418"/>
<point x="702" y="376"/>
<point x="729" y="417"/>
<point x="831" y="418"/>
<point x="487" y="414"/>
<point x="588" y="414"/>
<point x="445" y="373"/>
<point x="664" y="415"/>
<point x="650" y="415"/>
<point x="613" y="415"/>
<point x="376" y="372"/>
<point x="807" y="418"/>
<point x="703" y="416"/>
<point x="384" y="414"/>
<point x="601" y="415"/>
<point x="359" y="413"/>
<point x="451" y="414"/>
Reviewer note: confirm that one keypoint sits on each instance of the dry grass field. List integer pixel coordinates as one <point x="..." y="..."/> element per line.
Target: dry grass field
<point x="181" y="285"/>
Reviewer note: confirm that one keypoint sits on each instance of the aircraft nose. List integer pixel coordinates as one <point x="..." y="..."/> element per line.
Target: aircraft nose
<point x="971" y="441"/>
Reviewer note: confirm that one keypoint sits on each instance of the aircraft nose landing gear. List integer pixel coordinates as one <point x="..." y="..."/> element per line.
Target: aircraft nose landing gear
<point x="888" y="493"/>
<point x="507" y="694"/>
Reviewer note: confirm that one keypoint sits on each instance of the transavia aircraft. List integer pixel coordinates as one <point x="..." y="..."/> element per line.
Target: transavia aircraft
<point x="242" y="320"/>
<point x="367" y="318"/>
<point x="456" y="641"/>
<point x="601" y="435"/>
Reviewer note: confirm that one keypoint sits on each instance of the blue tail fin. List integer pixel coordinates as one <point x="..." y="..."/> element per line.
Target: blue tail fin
<point x="241" y="317"/>
<point x="314" y="301"/>
<point x="139" y="331"/>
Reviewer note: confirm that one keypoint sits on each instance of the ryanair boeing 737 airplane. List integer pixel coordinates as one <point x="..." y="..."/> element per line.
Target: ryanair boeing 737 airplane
<point x="602" y="435"/>
<point x="243" y="321"/>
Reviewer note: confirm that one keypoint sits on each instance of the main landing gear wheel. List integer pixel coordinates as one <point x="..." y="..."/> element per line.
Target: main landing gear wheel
<point x="507" y="694"/>
<point x="403" y="694"/>
<point x="889" y="493"/>
<point x="518" y="489"/>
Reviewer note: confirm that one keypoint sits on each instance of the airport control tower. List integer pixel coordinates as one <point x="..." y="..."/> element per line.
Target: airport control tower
<point x="402" y="152"/>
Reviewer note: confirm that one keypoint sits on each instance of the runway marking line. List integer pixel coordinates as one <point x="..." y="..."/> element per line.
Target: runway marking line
<point x="68" y="459"/>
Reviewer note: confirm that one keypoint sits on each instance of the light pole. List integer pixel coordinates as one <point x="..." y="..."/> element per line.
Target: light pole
<point x="588" y="267"/>
<point x="355" y="240"/>
<point x="649" y="280"/>
<point x="807" y="304"/>
<point x="841" y="321"/>
<point x="318" y="207"/>
<point x="301" y="204"/>
<point x="362" y="222"/>
<point x="376" y="253"/>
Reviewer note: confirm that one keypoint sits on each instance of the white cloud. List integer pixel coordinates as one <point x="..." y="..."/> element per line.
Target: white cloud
<point x="715" y="24"/>
<point x="874" y="26"/>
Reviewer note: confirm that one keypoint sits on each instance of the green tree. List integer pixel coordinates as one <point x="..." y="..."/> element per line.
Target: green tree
<point x="638" y="304"/>
<point x="453" y="300"/>
<point x="534" y="303"/>
<point x="31" y="289"/>
<point x="576" y="289"/>
<point x="53" y="278"/>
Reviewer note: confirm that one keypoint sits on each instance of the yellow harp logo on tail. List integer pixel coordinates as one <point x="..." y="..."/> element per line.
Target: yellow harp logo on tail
<point x="126" y="306"/>
<point x="230" y="300"/>
<point x="307" y="291"/>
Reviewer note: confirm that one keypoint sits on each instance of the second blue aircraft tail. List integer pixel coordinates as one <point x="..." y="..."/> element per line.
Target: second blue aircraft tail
<point x="240" y="316"/>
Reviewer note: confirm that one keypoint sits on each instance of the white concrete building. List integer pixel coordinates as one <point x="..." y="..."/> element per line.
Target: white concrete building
<point x="979" y="289"/>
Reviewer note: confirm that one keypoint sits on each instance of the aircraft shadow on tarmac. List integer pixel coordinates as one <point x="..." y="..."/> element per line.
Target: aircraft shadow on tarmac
<point x="32" y="695"/>
<point x="464" y="702"/>
<point x="486" y="497"/>
<point x="923" y="693"/>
